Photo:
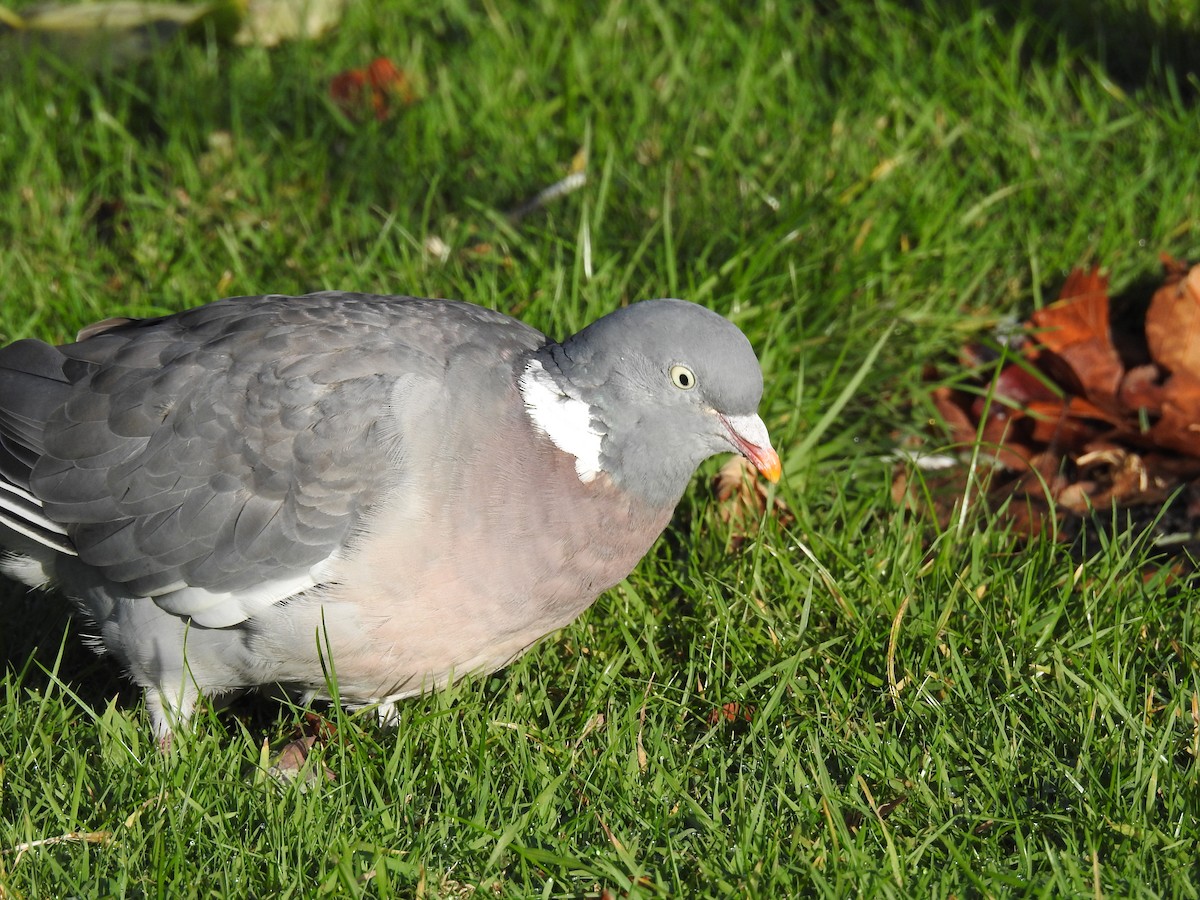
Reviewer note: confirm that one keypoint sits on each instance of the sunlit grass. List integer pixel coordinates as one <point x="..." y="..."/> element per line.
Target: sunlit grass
<point x="906" y="712"/>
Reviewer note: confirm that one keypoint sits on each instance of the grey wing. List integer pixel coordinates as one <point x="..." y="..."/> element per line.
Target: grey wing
<point x="31" y="381"/>
<point x="218" y="461"/>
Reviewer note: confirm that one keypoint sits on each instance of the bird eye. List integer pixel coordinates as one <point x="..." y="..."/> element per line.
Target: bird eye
<point x="682" y="377"/>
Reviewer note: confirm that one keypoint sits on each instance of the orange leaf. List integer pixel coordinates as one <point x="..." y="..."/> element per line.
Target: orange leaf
<point x="1067" y="426"/>
<point x="1020" y="386"/>
<point x="1141" y="390"/>
<point x="1178" y="428"/>
<point x="1076" y="341"/>
<point x="1173" y="323"/>
<point x="346" y="90"/>
<point x="1080" y="313"/>
<point x="953" y="407"/>
<point x="374" y="88"/>
<point x="742" y="499"/>
<point x="386" y="79"/>
<point x="730" y="712"/>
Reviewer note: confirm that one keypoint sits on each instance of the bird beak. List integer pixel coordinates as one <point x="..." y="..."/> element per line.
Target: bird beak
<point x="749" y="435"/>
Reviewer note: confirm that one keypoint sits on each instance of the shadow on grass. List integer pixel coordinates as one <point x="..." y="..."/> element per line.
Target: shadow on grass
<point x="44" y="649"/>
<point x="1135" y="48"/>
<point x="1130" y="45"/>
<point x="42" y="641"/>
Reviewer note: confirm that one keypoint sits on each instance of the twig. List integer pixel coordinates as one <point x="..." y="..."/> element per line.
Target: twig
<point x="568" y="185"/>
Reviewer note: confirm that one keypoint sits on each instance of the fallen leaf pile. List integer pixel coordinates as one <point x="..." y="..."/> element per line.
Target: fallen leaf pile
<point x="1077" y="415"/>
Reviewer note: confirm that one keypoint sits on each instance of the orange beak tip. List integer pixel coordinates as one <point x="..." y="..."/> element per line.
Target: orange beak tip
<point x="770" y="466"/>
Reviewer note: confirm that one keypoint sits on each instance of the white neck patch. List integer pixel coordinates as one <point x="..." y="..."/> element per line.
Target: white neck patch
<point x="566" y="420"/>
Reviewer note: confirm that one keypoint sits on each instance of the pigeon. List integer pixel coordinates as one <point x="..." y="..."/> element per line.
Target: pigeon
<point x="380" y="493"/>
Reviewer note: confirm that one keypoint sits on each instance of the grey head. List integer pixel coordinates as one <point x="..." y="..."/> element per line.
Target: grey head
<point x="667" y="384"/>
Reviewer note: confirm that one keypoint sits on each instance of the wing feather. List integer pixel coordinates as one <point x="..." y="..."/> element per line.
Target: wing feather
<point x="220" y="459"/>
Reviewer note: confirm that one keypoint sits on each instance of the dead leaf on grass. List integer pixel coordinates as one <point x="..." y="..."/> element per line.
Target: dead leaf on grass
<point x="1073" y="339"/>
<point x="731" y="712"/>
<point x="742" y="499"/>
<point x="378" y="90"/>
<point x="267" y="23"/>
<point x="1173" y="322"/>
<point x="296" y="762"/>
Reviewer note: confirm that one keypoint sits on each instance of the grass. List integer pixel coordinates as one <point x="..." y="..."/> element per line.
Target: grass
<point x="927" y="713"/>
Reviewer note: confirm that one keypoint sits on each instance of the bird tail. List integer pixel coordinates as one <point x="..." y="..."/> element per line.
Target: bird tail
<point x="33" y="385"/>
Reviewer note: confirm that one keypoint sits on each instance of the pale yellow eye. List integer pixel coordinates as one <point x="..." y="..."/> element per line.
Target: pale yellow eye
<point x="682" y="377"/>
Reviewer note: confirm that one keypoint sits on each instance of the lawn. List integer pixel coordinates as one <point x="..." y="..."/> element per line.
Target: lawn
<point x="856" y="701"/>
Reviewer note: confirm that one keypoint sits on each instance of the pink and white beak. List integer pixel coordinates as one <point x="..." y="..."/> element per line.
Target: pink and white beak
<point x="749" y="435"/>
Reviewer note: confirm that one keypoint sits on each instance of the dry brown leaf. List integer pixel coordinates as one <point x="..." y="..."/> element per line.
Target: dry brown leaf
<point x="1076" y="339"/>
<point x="1080" y="312"/>
<point x="1003" y="437"/>
<point x="1006" y="440"/>
<point x="1070" y="424"/>
<point x="1107" y="475"/>
<point x="742" y="499"/>
<point x="1141" y="390"/>
<point x="730" y="712"/>
<point x="1173" y="323"/>
<point x="293" y="764"/>
<point x="952" y="406"/>
<point x="1018" y="385"/>
<point x="318" y="727"/>
<point x="267" y="23"/>
<point x="1178" y="426"/>
<point x="377" y="89"/>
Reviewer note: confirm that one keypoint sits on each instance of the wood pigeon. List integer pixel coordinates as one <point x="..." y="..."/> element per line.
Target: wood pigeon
<point x="400" y="490"/>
